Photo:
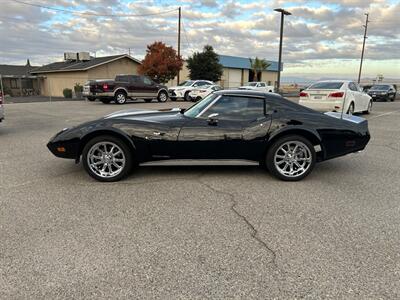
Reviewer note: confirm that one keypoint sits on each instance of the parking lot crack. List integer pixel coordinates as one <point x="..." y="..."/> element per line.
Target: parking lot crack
<point x="254" y="231"/>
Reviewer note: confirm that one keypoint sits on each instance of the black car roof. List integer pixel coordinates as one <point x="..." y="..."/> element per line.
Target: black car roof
<point x="275" y="98"/>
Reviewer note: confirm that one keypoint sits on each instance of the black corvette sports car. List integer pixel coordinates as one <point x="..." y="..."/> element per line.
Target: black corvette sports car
<point x="286" y="138"/>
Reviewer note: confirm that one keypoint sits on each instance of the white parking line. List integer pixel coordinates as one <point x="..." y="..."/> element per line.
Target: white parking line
<point x="385" y="114"/>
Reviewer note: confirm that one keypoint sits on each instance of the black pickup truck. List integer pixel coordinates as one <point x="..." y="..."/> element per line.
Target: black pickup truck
<point x="125" y="87"/>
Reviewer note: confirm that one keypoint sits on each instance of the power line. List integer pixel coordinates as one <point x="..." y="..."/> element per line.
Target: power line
<point x="90" y="13"/>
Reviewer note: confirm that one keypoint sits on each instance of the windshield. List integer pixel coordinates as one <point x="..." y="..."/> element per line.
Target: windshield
<point x="326" y="86"/>
<point x="193" y="111"/>
<point x="380" y="88"/>
<point x="186" y="83"/>
<point x="252" y="84"/>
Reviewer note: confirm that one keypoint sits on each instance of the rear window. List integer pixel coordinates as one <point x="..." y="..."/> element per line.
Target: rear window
<point x="125" y="78"/>
<point x="326" y="86"/>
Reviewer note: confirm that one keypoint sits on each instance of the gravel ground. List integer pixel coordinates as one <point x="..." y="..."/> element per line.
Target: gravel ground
<point x="182" y="230"/>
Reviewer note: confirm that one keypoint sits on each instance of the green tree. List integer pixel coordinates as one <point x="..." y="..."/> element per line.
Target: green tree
<point x="205" y="65"/>
<point x="161" y="63"/>
<point x="258" y="65"/>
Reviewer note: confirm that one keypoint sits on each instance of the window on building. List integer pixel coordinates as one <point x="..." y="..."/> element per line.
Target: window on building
<point x="14" y="83"/>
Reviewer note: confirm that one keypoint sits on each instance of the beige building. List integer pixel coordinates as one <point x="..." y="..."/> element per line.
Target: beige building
<point x="236" y="72"/>
<point x="55" y="77"/>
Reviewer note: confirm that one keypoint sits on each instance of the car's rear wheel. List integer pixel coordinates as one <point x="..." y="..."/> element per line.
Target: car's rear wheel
<point x="291" y="158"/>
<point x="162" y="96"/>
<point x="350" y="111"/>
<point x="120" y="97"/>
<point x="197" y="99"/>
<point x="105" y="101"/>
<point x="107" y="158"/>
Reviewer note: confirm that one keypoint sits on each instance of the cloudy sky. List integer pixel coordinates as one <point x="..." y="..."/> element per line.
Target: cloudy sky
<point x="322" y="38"/>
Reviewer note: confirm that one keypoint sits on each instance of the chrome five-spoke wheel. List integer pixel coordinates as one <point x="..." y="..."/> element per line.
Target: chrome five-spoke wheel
<point x="107" y="158"/>
<point x="292" y="159"/>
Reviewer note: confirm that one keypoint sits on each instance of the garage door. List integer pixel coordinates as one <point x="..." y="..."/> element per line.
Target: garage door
<point x="235" y="78"/>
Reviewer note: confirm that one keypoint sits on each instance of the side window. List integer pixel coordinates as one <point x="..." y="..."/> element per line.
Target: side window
<point x="262" y="84"/>
<point x="147" y="81"/>
<point x="237" y="108"/>
<point x="352" y="86"/>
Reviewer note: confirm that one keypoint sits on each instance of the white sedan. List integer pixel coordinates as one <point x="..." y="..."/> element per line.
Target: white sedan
<point x="200" y="93"/>
<point x="184" y="88"/>
<point x="336" y="95"/>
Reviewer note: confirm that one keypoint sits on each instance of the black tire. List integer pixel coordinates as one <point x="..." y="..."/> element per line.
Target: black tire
<point x="120" y="97"/>
<point x="91" y="99"/>
<point x="121" y="144"/>
<point x="162" y="96"/>
<point x="368" y="111"/>
<point x="172" y="98"/>
<point x="105" y="101"/>
<point x="197" y="99"/>
<point x="271" y="166"/>
<point x="394" y="97"/>
<point x="351" y="109"/>
<point x="186" y="97"/>
<point x="148" y="100"/>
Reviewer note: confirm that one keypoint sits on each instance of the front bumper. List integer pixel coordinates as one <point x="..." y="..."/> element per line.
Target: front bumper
<point x="69" y="149"/>
<point x="323" y="105"/>
<point x="176" y="94"/>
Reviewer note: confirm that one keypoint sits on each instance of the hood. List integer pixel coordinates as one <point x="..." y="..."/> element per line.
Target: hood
<point x="139" y="114"/>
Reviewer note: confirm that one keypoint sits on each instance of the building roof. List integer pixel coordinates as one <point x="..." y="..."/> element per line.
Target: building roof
<point x="237" y="62"/>
<point x="68" y="66"/>
<point x="15" y="71"/>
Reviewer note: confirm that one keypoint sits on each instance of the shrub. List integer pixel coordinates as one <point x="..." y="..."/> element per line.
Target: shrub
<point x="78" y="88"/>
<point x="67" y="93"/>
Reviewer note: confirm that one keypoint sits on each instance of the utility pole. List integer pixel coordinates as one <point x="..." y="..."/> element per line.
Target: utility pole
<point x="363" y="46"/>
<point x="283" y="14"/>
<point x="179" y="38"/>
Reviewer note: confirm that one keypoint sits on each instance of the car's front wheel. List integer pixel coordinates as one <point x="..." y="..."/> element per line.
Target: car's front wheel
<point x="369" y="108"/>
<point x="350" y="111"/>
<point x="186" y="97"/>
<point x="291" y="158"/>
<point x="162" y="96"/>
<point x="107" y="158"/>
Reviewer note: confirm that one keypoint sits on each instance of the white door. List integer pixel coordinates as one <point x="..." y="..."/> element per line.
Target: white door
<point x="235" y="78"/>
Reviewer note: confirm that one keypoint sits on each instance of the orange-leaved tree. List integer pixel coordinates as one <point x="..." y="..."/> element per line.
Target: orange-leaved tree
<point x="161" y="63"/>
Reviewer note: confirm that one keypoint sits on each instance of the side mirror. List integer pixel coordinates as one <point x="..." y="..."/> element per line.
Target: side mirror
<point x="213" y="119"/>
<point x="182" y="111"/>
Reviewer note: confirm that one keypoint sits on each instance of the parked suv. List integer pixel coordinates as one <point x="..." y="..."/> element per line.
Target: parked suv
<point x="382" y="91"/>
<point x="183" y="89"/>
<point x="125" y="87"/>
<point x="1" y="107"/>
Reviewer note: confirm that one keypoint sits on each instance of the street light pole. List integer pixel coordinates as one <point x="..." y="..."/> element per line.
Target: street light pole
<point x="283" y="14"/>
<point x="363" y="46"/>
<point x="179" y="39"/>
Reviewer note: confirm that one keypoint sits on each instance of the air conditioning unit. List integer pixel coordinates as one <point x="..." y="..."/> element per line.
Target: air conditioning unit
<point x="83" y="56"/>
<point x="70" y="56"/>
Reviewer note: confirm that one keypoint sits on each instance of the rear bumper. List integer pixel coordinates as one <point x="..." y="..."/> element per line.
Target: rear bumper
<point x="379" y="97"/>
<point x="98" y="95"/>
<point x="323" y="105"/>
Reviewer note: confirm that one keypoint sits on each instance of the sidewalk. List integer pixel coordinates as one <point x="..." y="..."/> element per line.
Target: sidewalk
<point x="32" y="99"/>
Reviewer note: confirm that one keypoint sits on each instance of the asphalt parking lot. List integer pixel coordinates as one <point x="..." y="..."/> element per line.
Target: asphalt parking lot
<point x="186" y="231"/>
